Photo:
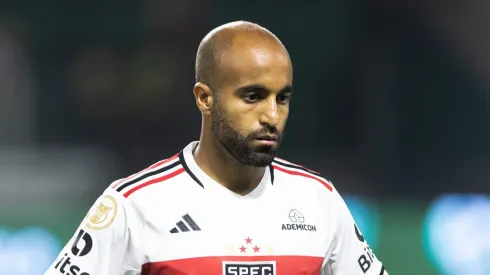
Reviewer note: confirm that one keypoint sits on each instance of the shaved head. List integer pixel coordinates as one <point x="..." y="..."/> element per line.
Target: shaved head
<point x="218" y="43"/>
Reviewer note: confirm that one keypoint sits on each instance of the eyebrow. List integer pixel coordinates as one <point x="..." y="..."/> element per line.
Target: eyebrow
<point x="288" y="89"/>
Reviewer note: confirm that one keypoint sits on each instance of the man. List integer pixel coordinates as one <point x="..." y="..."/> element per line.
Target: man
<point x="225" y="204"/>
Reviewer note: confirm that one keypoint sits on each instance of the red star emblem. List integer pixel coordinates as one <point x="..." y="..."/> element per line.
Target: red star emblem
<point x="243" y="249"/>
<point x="248" y="240"/>
<point x="256" y="249"/>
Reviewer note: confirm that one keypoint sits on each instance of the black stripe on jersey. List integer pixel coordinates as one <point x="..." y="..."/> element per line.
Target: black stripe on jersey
<point x="143" y="176"/>
<point x="382" y="270"/>
<point x="184" y="164"/>
<point x="182" y="226"/>
<point x="191" y="222"/>
<point x="271" y="169"/>
<point x="174" y="230"/>
<point x="300" y="168"/>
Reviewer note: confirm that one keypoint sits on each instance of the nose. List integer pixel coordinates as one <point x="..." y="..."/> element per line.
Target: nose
<point x="270" y="113"/>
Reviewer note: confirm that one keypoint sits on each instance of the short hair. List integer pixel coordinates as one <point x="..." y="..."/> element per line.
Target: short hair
<point x="215" y="43"/>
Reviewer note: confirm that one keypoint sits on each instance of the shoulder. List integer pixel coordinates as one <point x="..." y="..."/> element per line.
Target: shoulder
<point x="311" y="184"/>
<point x="157" y="174"/>
<point x="309" y="188"/>
<point x="296" y="173"/>
<point x="150" y="188"/>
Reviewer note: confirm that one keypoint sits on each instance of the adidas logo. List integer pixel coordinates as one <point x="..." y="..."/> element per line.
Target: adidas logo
<point x="183" y="225"/>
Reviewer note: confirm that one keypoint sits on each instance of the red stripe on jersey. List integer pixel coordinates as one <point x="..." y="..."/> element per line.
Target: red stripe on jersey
<point x="237" y="265"/>
<point x="296" y="173"/>
<point x="285" y="161"/>
<point x="146" y="169"/>
<point x="164" y="161"/>
<point x="155" y="180"/>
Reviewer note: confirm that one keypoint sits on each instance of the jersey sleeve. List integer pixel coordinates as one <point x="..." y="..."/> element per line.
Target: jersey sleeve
<point x="101" y="244"/>
<point x="350" y="253"/>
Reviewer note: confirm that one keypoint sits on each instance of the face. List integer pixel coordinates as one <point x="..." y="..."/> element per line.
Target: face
<point x="250" y="111"/>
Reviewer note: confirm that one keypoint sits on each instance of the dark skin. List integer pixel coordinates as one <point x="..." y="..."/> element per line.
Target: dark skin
<point x="254" y="83"/>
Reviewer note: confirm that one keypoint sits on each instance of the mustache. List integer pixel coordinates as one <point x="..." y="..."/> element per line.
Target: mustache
<point x="266" y="131"/>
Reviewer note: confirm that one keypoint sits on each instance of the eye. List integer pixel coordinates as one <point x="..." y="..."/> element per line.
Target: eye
<point x="252" y="97"/>
<point x="283" y="99"/>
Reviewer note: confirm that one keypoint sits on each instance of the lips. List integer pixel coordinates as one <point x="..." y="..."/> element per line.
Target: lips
<point x="267" y="138"/>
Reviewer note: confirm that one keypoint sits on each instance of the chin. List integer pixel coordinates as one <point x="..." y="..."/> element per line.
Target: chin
<point x="259" y="159"/>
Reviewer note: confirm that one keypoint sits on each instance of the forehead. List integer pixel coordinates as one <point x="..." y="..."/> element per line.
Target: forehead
<point x="255" y="60"/>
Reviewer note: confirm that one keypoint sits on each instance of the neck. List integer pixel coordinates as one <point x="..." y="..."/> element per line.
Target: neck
<point x="218" y="164"/>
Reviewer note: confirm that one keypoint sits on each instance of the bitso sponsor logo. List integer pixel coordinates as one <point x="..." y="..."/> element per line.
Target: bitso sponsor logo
<point x="104" y="214"/>
<point x="298" y="220"/>
<point x="367" y="258"/>
<point x="66" y="266"/>
<point x="82" y="244"/>
<point x="249" y="268"/>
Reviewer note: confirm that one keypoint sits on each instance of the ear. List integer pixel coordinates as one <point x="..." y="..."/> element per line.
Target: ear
<point x="204" y="98"/>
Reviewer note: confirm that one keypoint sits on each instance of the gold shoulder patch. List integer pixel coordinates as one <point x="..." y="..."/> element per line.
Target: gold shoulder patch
<point x="104" y="214"/>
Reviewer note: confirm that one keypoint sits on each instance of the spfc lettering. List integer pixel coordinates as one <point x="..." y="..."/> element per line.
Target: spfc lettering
<point x="249" y="268"/>
<point x="299" y="227"/>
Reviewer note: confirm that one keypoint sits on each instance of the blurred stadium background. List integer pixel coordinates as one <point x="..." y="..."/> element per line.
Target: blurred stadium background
<point x="391" y="104"/>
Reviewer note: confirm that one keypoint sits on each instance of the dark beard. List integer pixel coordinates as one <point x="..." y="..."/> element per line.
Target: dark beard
<point x="239" y="146"/>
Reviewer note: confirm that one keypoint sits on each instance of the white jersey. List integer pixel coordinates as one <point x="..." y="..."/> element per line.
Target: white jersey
<point x="173" y="219"/>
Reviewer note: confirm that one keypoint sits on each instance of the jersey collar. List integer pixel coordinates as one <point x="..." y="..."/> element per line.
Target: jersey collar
<point x="187" y="159"/>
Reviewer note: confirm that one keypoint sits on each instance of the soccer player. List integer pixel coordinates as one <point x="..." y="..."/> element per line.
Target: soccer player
<point x="225" y="204"/>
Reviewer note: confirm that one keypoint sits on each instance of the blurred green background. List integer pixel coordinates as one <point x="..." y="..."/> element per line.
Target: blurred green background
<point x="391" y="104"/>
